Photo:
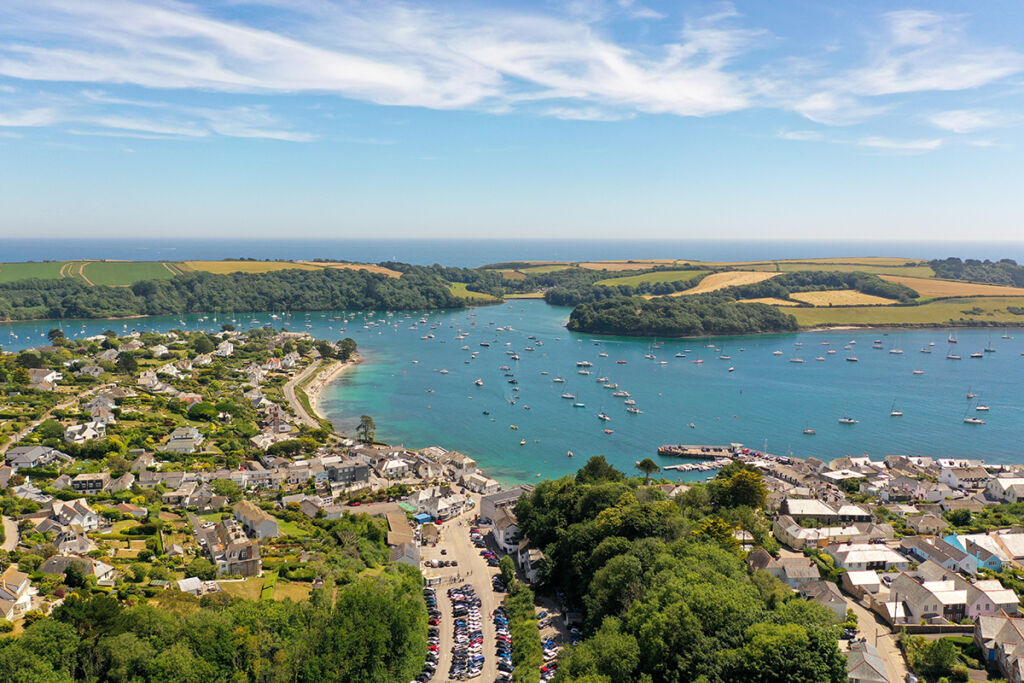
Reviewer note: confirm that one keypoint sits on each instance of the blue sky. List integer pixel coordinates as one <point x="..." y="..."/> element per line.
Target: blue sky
<point x="587" y="118"/>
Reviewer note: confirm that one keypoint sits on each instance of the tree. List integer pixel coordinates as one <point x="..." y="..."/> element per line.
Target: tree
<point x="20" y="376"/>
<point x="55" y="336"/>
<point x="508" y="570"/>
<point x="126" y="363"/>
<point x="227" y="327"/>
<point x="961" y="517"/>
<point x="74" y="574"/>
<point x="50" y="429"/>
<point x="201" y="568"/>
<point x="740" y="486"/>
<point x="367" y="429"/>
<point x="346" y="348"/>
<point x="648" y="467"/>
<point x="598" y="470"/>
<point x="228" y="488"/>
<point x="203" y="344"/>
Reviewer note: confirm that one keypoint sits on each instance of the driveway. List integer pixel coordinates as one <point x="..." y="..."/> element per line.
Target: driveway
<point x="10" y="534"/>
<point x="877" y="632"/>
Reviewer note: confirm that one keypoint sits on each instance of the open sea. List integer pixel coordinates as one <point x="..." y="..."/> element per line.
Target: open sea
<point x="765" y="402"/>
<point x="477" y="252"/>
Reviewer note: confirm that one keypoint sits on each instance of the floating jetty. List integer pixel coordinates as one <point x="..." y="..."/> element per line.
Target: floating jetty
<point x="700" y="452"/>
<point x="705" y="466"/>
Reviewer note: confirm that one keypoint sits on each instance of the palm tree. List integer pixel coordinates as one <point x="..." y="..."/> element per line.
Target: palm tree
<point x="648" y="467"/>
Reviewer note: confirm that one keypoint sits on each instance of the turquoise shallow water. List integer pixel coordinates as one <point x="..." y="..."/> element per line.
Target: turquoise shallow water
<point x="765" y="401"/>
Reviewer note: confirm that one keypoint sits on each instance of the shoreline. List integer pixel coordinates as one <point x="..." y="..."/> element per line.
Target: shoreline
<point x="316" y="386"/>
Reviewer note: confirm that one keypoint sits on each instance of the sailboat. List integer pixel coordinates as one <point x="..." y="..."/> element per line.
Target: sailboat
<point x="952" y="338"/>
<point x="893" y="412"/>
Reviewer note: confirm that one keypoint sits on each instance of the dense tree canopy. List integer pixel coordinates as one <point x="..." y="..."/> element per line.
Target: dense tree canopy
<point x="666" y="595"/>
<point x="685" y="316"/>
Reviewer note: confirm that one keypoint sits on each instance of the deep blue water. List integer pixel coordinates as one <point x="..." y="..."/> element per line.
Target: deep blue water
<point x="476" y="252"/>
<point x="766" y="401"/>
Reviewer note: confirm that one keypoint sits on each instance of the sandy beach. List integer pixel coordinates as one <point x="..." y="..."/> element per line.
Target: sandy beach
<point x="322" y="379"/>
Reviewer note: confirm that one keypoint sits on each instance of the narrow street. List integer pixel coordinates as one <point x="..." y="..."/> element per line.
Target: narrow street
<point x="871" y="627"/>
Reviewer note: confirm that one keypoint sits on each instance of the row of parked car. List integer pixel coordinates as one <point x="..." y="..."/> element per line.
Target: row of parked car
<point x="467" y="652"/>
<point x="433" y="636"/>
<point x="504" y="645"/>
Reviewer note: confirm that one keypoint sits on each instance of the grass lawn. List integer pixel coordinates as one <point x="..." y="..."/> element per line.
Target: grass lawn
<point x="290" y="528"/>
<point x="12" y="272"/>
<point x="661" y="276"/>
<point x="526" y="295"/>
<point x="119" y="527"/>
<point x="989" y="309"/>
<point x="459" y="289"/>
<point x="244" y="266"/>
<point x="249" y="588"/>
<point x="211" y="517"/>
<point x="123" y="273"/>
<point x="297" y="591"/>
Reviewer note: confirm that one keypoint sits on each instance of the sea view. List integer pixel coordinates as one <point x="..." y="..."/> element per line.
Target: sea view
<point x="477" y="252"/>
<point x="765" y="402"/>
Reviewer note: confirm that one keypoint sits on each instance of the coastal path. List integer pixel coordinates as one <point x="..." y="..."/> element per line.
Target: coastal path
<point x="289" y="394"/>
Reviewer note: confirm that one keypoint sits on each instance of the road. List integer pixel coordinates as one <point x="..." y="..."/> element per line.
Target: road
<point x="877" y="632"/>
<point x="289" y="394"/>
<point x="10" y="534"/>
<point x="473" y="569"/>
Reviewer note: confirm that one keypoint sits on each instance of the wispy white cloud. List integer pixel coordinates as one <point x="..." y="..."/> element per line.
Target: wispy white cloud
<point x="28" y="118"/>
<point x="386" y="52"/>
<point x="926" y="51"/>
<point x="970" y="120"/>
<point x="912" y="146"/>
<point x="801" y="135"/>
<point x="559" y="60"/>
<point x="587" y="114"/>
<point x="141" y="125"/>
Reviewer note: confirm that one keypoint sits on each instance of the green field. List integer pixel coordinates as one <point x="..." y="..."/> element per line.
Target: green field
<point x="459" y="289"/>
<point x="549" y="268"/>
<point x="945" y="311"/>
<point x="123" y="273"/>
<point x="12" y="272"/>
<point x="660" y="276"/>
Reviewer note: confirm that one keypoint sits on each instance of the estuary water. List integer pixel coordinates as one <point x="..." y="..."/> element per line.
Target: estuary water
<point x="418" y="382"/>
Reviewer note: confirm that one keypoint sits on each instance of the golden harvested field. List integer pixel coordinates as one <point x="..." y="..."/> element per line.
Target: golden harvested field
<point x="512" y="275"/>
<point x="730" y="278"/>
<point x="771" y="301"/>
<point x="373" y="268"/>
<point x="984" y="309"/>
<point x="841" y="297"/>
<point x="932" y="288"/>
<point x="634" y="264"/>
<point x="222" y="267"/>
